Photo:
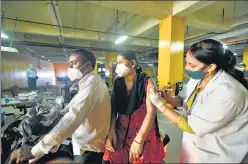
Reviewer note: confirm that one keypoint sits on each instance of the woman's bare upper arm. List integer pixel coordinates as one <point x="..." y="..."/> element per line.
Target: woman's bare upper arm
<point x="149" y="104"/>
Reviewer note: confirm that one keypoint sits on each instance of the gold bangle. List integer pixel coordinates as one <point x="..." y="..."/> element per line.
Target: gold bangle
<point x="164" y="109"/>
<point x="168" y="105"/>
<point x="138" y="142"/>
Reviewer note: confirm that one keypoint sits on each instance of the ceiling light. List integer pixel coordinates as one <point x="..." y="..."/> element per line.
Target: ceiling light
<point x="121" y="39"/>
<point x="150" y="65"/>
<point x="43" y="56"/>
<point x="64" y="50"/>
<point x="177" y="46"/>
<point x="9" y="49"/>
<point x="163" y="44"/>
<point x="4" y="36"/>
<point x="49" y="60"/>
<point x="224" y="46"/>
<point x="235" y="54"/>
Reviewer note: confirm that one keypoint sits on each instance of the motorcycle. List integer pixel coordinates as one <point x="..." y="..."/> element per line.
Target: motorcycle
<point x="31" y="130"/>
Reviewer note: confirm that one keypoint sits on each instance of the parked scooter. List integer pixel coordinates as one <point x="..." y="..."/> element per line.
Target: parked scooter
<point x="29" y="131"/>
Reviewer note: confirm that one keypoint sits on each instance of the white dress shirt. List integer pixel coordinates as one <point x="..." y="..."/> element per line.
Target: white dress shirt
<point x="87" y="120"/>
<point x="219" y="118"/>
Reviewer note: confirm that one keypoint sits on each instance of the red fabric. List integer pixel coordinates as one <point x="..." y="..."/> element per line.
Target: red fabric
<point x="153" y="147"/>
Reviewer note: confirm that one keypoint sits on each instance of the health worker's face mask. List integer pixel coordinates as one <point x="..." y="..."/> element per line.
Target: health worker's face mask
<point x="76" y="74"/>
<point x="196" y="74"/>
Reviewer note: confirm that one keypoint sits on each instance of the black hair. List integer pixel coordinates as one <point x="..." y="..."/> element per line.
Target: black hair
<point x="130" y="55"/>
<point x="210" y="51"/>
<point x="85" y="56"/>
<point x="232" y="61"/>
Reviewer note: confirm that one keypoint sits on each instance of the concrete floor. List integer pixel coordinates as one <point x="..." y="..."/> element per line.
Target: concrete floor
<point x="175" y="134"/>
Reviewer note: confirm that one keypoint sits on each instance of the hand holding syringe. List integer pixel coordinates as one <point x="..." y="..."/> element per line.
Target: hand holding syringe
<point x="165" y="91"/>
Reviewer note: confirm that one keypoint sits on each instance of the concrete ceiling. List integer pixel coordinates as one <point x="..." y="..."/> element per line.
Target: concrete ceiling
<point x="53" y="28"/>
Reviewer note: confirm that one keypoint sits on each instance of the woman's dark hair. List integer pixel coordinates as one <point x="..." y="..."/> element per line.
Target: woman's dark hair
<point x="210" y="51"/>
<point x="130" y="55"/>
<point x="232" y="61"/>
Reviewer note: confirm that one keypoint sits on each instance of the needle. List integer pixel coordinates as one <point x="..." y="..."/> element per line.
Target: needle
<point x="160" y="90"/>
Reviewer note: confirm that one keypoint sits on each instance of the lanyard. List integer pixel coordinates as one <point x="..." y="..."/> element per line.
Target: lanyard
<point x="196" y="90"/>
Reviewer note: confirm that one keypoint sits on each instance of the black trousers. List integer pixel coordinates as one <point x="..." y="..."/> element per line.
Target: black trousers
<point x="31" y="84"/>
<point x="88" y="157"/>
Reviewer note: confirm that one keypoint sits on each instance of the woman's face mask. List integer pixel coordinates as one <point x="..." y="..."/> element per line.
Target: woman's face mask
<point x="196" y="74"/>
<point x="193" y="64"/>
<point x="122" y="70"/>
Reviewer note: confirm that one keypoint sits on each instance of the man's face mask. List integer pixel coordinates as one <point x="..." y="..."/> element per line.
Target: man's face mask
<point x="242" y="69"/>
<point x="76" y="74"/>
<point x="196" y="74"/>
<point x="122" y="70"/>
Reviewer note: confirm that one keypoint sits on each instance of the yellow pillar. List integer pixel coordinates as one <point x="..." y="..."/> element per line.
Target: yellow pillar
<point x="96" y="68"/>
<point x="245" y="56"/>
<point x="171" y="50"/>
<point x="110" y="58"/>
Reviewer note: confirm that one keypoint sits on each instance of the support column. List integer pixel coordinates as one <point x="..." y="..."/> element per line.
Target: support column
<point x="96" y="68"/>
<point x="110" y="58"/>
<point x="245" y="56"/>
<point x="171" y="50"/>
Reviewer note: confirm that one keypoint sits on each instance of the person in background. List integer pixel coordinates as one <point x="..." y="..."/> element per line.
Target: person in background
<point x="242" y="67"/>
<point x="31" y="75"/>
<point x="245" y="72"/>
<point x="239" y="70"/>
<point x="215" y="103"/>
<point x="86" y="118"/>
<point x="134" y="135"/>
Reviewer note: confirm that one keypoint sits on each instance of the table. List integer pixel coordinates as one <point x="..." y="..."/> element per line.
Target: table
<point x="14" y="102"/>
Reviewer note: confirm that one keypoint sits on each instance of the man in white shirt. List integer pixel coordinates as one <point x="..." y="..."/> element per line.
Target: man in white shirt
<point x="242" y="68"/>
<point x="86" y="118"/>
<point x="31" y="75"/>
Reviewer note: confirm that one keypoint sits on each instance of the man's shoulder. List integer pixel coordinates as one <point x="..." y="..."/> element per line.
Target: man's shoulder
<point x="98" y="82"/>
